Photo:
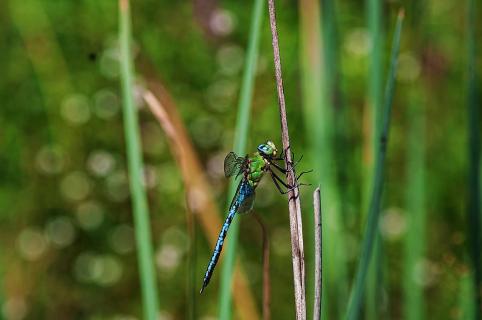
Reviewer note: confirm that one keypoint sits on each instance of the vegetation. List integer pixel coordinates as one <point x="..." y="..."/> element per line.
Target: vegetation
<point x="101" y="223"/>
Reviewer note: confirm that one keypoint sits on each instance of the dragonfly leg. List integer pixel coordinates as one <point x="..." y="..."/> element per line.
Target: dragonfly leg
<point x="278" y="180"/>
<point x="297" y="161"/>
<point x="280" y="157"/>
<point x="302" y="173"/>
<point x="276" y="183"/>
<point x="277" y="166"/>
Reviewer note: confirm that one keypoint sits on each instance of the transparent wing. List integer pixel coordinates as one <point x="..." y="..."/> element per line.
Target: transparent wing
<point x="233" y="165"/>
<point x="247" y="204"/>
<point x="246" y="197"/>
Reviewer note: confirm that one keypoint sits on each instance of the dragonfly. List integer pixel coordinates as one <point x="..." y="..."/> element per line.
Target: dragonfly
<point x="252" y="168"/>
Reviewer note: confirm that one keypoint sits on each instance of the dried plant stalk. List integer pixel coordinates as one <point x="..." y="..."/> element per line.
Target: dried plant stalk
<point x="294" y="206"/>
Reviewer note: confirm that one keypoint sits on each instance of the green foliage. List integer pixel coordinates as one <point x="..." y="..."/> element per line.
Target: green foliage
<point x="140" y="210"/>
<point x="240" y="142"/>
<point x="66" y="222"/>
<point x="371" y="228"/>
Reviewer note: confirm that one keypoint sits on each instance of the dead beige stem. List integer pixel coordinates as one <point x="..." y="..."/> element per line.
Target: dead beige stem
<point x="294" y="206"/>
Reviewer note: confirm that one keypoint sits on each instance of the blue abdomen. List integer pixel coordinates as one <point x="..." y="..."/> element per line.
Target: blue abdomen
<point x="242" y="202"/>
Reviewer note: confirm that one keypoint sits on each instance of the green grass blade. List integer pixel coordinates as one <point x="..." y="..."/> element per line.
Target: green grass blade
<point x="2" y="283"/>
<point x="374" y="211"/>
<point x="332" y="101"/>
<point x="474" y="218"/>
<point x="416" y="213"/>
<point x="375" y="96"/>
<point x="134" y="162"/>
<point x="466" y="297"/>
<point x="241" y="134"/>
<point x="318" y="112"/>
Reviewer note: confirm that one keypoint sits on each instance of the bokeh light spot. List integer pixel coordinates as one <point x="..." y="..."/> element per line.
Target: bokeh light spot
<point x="106" y="104"/>
<point x="31" y="243"/>
<point x="50" y="159"/>
<point x="117" y="186"/>
<point x="408" y="67"/>
<point x="230" y="59"/>
<point x="89" y="215"/>
<point x="393" y="224"/>
<point x="176" y="237"/>
<point x="104" y="270"/>
<point x="358" y="42"/>
<point x="220" y="95"/>
<point x="75" y="109"/>
<point x="150" y="177"/>
<point x="206" y="131"/>
<point x="122" y="239"/>
<point x="100" y="163"/>
<point x="109" y="63"/>
<point x="75" y="186"/>
<point x="15" y="308"/>
<point x="168" y="258"/>
<point x="60" y="232"/>
<point x="222" y="22"/>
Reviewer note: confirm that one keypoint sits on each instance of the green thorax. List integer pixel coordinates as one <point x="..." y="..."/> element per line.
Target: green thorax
<point x="255" y="169"/>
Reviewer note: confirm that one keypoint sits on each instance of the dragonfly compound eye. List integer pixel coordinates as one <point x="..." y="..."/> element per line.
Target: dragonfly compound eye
<point x="267" y="149"/>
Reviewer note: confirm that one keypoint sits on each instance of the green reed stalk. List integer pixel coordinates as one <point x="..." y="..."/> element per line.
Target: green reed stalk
<point x="2" y="283"/>
<point x="240" y="138"/>
<point x="474" y="161"/>
<point x="317" y="61"/>
<point x="134" y="162"/>
<point x="416" y="213"/>
<point x="375" y="96"/>
<point x="466" y="297"/>
<point x="374" y="211"/>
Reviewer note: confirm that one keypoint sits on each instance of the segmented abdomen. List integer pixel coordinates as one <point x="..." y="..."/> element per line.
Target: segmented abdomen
<point x="222" y="235"/>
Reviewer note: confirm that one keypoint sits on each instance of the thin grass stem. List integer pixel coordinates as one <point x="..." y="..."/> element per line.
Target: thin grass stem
<point x="294" y="205"/>
<point x="416" y="213"/>
<point x="240" y="138"/>
<point x="140" y="209"/>
<point x="374" y="114"/>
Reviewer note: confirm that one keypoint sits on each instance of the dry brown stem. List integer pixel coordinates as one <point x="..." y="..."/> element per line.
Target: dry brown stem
<point x="294" y="206"/>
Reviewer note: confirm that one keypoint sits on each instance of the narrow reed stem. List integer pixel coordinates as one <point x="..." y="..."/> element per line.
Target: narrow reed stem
<point x="240" y="138"/>
<point x="294" y="205"/>
<point x="371" y="226"/>
<point x="372" y="127"/>
<point x="134" y="162"/>
<point x="318" y="255"/>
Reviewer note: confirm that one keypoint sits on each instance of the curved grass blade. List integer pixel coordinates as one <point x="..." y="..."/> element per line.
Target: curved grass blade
<point x="241" y="134"/>
<point x="374" y="114"/>
<point x="200" y="201"/>
<point x="374" y="211"/>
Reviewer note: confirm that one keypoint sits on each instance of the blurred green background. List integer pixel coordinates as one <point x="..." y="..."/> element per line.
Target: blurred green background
<point x="67" y="248"/>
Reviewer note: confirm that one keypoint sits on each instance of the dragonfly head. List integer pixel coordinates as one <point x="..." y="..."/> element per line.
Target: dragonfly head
<point x="267" y="149"/>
